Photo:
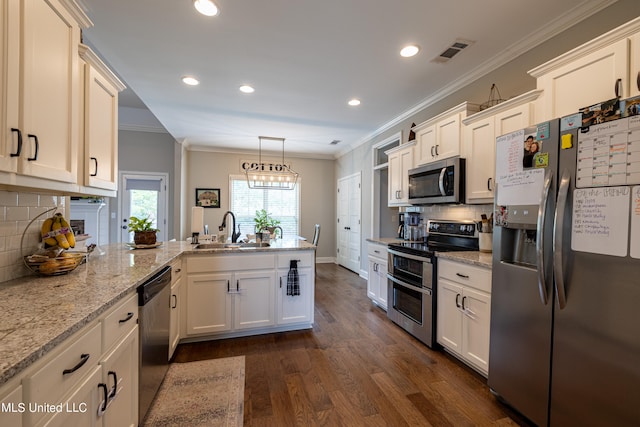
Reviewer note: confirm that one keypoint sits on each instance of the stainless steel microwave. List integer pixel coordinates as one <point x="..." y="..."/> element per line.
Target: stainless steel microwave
<point x="437" y="182"/>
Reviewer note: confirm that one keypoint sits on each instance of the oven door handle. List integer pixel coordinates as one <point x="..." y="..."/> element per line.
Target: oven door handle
<point x="404" y="255"/>
<point x="406" y="285"/>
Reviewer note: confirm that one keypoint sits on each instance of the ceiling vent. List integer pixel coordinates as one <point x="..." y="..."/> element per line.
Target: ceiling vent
<point x="334" y="142"/>
<point x="452" y="51"/>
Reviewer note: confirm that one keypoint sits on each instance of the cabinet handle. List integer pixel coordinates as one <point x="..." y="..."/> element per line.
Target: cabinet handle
<point x="35" y="139"/>
<point x="638" y="80"/>
<point x="618" y="88"/>
<point x="437" y="145"/>
<point x="103" y="406"/>
<point x="489" y="184"/>
<point x="95" y="160"/>
<point x="228" y="289"/>
<point x="463" y="308"/>
<point x="114" y="389"/>
<point x="432" y="147"/>
<point x="178" y="270"/>
<point x="238" y="285"/>
<point x="377" y="252"/>
<point x="175" y="301"/>
<point x="83" y="359"/>
<point x="126" y="319"/>
<point x="457" y="298"/>
<point x="19" y="150"/>
<point x="280" y="282"/>
<point x="464" y="276"/>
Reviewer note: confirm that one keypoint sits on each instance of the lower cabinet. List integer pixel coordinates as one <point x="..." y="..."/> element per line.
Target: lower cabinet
<point x="235" y="294"/>
<point x="464" y="312"/>
<point x="176" y="306"/>
<point x="91" y="379"/>
<point x="13" y="406"/>
<point x="377" y="280"/>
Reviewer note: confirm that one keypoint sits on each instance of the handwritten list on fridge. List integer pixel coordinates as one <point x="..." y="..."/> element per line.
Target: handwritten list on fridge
<point x="601" y="220"/>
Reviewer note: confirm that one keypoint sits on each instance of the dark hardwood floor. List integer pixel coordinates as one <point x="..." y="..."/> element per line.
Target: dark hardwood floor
<point x="354" y="368"/>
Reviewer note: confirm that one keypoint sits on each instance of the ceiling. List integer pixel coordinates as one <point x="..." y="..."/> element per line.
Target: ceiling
<point x="306" y="59"/>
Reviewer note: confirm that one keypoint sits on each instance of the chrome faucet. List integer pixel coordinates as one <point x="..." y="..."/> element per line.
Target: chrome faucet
<point x="234" y="235"/>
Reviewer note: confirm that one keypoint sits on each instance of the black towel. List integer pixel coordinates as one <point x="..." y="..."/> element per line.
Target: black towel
<point x="293" y="280"/>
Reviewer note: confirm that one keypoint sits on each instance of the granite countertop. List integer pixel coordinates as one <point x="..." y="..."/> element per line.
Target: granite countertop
<point x="481" y="259"/>
<point x="38" y="313"/>
<point x="384" y="240"/>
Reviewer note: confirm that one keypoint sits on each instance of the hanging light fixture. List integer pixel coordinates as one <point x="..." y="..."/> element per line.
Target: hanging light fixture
<point x="271" y="176"/>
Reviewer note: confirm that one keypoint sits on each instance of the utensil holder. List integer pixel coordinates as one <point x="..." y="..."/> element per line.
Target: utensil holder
<point x="485" y="242"/>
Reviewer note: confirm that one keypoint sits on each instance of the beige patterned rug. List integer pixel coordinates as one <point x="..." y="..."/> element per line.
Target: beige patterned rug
<point x="204" y="393"/>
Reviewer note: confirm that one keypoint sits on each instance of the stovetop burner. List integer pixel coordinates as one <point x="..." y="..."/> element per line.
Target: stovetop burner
<point x="444" y="236"/>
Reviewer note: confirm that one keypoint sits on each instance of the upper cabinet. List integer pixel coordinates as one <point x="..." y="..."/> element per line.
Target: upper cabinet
<point x="441" y="137"/>
<point x="604" y="68"/>
<point x="101" y="89"/>
<point x="480" y="133"/>
<point x="400" y="161"/>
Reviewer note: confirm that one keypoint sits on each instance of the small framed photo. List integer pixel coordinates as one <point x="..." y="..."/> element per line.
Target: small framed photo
<point x="208" y="197"/>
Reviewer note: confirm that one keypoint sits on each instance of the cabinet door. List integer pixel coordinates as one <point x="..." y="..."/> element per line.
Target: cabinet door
<point x="399" y="164"/>
<point x="208" y="303"/>
<point x="481" y="142"/>
<point x="425" y="150"/>
<point x="81" y="408"/>
<point x="295" y="308"/>
<point x="254" y="300"/>
<point x="634" y="66"/>
<point x="381" y="277"/>
<point x="585" y="81"/>
<point x="13" y="405"/>
<point x="449" y="316"/>
<point x="373" y="283"/>
<point x="514" y="119"/>
<point x="120" y="374"/>
<point x="9" y="84"/>
<point x="101" y="131"/>
<point x="174" y="326"/>
<point x="50" y="116"/>
<point x="448" y="137"/>
<point x="475" y="328"/>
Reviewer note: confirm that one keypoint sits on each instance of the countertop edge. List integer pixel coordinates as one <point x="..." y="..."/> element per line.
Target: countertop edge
<point x="477" y="258"/>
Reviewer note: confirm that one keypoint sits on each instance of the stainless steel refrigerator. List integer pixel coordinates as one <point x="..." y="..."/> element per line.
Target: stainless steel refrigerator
<point x="565" y="302"/>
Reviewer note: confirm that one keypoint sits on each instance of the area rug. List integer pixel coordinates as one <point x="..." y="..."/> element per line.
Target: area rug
<point x="204" y="393"/>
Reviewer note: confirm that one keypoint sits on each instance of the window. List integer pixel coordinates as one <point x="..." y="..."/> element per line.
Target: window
<point x="283" y="205"/>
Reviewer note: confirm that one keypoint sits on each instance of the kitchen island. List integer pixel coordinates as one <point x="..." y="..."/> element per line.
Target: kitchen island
<point x="37" y="314"/>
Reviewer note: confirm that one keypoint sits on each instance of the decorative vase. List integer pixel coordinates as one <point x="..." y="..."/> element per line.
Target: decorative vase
<point x="144" y="237"/>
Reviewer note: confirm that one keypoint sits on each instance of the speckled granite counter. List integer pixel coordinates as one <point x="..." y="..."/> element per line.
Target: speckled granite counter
<point x="384" y="240"/>
<point x="38" y="313"/>
<point x="481" y="259"/>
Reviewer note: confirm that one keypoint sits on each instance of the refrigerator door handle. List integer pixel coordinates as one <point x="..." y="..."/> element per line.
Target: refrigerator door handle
<point x="558" y="227"/>
<point x="542" y="213"/>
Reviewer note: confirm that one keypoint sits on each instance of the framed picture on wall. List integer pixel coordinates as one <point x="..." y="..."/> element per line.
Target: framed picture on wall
<point x="208" y="197"/>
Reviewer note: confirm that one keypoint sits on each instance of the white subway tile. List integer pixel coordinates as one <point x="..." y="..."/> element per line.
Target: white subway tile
<point x="17" y="213"/>
<point x="28" y="199"/>
<point x="8" y="198"/>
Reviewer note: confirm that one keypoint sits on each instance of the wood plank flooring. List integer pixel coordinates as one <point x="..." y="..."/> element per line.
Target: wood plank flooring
<point x="354" y="368"/>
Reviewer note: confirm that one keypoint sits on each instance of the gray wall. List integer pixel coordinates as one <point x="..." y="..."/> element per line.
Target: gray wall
<point x="147" y="152"/>
<point x="318" y="196"/>
<point x="512" y="80"/>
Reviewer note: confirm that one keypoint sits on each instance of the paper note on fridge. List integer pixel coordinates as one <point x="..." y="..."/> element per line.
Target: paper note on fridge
<point x="634" y="250"/>
<point x="600" y="221"/>
<point x="517" y="185"/>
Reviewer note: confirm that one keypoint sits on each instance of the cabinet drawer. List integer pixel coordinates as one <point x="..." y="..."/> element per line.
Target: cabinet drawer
<point x="50" y="383"/>
<point x="376" y="250"/>
<point x="230" y="262"/>
<point x="468" y="275"/>
<point x="305" y="259"/>
<point x="120" y="321"/>
<point x="176" y="270"/>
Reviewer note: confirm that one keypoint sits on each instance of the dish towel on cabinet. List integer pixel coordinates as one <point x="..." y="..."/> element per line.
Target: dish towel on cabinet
<point x="293" y="280"/>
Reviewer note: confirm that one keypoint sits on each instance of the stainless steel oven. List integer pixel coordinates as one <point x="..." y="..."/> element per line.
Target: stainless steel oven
<point x="411" y="293"/>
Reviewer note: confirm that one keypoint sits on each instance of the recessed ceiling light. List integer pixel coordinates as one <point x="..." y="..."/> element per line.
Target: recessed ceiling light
<point x="247" y="89"/>
<point x="354" y="102"/>
<point x="409" y="51"/>
<point x="191" y="81"/>
<point x="206" y="7"/>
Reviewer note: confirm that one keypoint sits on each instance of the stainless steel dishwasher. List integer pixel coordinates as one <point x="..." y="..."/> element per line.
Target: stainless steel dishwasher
<point x="153" y="302"/>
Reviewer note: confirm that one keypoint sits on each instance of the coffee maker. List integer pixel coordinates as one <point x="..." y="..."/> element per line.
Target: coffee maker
<point x="413" y="226"/>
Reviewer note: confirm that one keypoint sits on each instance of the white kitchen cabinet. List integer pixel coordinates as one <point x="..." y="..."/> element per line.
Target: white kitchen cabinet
<point x="464" y="312"/>
<point x="480" y="133"/>
<point x="9" y="85"/>
<point x="400" y="161"/>
<point x="12" y="404"/>
<point x="100" y="135"/>
<point x="254" y="299"/>
<point x="209" y="303"/>
<point x="177" y="301"/>
<point x="603" y="68"/>
<point x="82" y="408"/>
<point x="441" y="137"/>
<point x="377" y="274"/>
<point x="295" y="309"/>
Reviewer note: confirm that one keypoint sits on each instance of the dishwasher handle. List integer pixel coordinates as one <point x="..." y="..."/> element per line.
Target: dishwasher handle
<point x="154" y="286"/>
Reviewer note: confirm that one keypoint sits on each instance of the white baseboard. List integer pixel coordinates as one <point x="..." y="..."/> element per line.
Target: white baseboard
<point x="325" y="260"/>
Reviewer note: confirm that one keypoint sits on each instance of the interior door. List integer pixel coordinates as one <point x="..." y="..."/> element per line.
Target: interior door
<point x="143" y="195"/>
<point x="348" y="227"/>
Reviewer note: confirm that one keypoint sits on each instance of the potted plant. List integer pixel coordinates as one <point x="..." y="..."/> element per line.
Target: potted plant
<point x="143" y="231"/>
<point x="264" y="221"/>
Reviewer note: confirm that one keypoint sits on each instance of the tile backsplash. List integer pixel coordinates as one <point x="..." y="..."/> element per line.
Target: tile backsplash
<point x="17" y="210"/>
<point x="453" y="211"/>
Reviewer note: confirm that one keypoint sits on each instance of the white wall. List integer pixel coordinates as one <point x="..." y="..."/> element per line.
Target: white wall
<point x="318" y="196"/>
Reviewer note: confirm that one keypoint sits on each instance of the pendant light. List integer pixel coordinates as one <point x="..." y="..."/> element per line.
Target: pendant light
<point x="271" y="176"/>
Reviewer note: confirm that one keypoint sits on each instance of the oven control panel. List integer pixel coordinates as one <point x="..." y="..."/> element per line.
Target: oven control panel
<point x="465" y="228"/>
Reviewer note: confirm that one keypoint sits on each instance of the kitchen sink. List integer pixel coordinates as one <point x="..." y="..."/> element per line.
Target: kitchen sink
<point x="231" y="245"/>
